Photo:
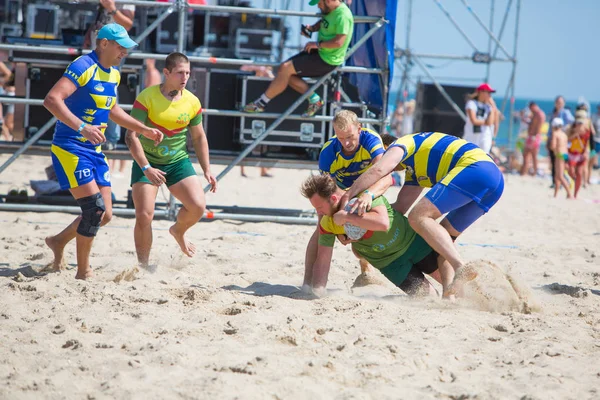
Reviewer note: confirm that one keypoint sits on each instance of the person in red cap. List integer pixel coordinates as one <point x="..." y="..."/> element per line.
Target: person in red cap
<point x="480" y="127"/>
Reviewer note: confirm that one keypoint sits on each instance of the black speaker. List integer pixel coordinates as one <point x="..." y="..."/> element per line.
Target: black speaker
<point x="434" y="113"/>
<point x="45" y="78"/>
<point x="217" y="89"/>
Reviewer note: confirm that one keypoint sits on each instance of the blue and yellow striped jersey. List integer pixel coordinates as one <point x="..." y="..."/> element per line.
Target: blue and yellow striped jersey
<point x="430" y="156"/>
<point x="346" y="169"/>
<point x="93" y="99"/>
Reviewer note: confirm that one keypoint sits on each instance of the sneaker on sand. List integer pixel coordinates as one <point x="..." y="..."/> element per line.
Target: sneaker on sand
<point x="253" y="108"/>
<point x="313" y="108"/>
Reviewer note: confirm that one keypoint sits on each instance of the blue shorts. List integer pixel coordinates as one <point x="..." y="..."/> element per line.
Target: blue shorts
<point x="77" y="165"/>
<point x="469" y="194"/>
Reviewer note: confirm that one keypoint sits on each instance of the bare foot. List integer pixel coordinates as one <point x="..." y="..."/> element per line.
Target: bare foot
<point x="188" y="248"/>
<point x="83" y="275"/>
<point x="58" y="264"/>
<point x="365" y="267"/>
<point x="463" y="275"/>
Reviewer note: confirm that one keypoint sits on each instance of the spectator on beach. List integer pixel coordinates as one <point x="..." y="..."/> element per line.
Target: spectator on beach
<point x="596" y="142"/>
<point x="565" y="115"/>
<point x="559" y="146"/>
<point x="481" y="112"/>
<point x="397" y="120"/>
<point x="534" y="138"/>
<point x="579" y="152"/>
<point x="582" y="108"/>
<point x="7" y="111"/>
<point x="317" y="59"/>
<point x="409" y="118"/>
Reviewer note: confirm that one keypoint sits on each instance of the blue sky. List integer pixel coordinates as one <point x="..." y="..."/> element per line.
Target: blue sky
<point x="557" y="46"/>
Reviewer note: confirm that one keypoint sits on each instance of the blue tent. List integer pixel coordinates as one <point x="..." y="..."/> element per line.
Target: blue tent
<point x="377" y="52"/>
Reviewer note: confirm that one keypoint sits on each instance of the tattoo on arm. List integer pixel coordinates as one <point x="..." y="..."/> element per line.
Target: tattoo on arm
<point x="128" y="138"/>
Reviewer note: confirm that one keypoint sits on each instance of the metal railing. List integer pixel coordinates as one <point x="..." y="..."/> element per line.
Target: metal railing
<point x="182" y="7"/>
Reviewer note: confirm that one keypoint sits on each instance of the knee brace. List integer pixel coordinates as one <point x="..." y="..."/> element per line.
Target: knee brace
<point x="92" y="209"/>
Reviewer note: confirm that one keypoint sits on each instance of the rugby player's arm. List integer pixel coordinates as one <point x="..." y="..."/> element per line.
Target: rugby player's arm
<point x="55" y="103"/>
<point x="120" y="117"/>
<point x="320" y="271"/>
<point x="380" y="187"/>
<point x="135" y="148"/>
<point x="200" y="144"/>
<point x="375" y="220"/>
<point x="390" y="160"/>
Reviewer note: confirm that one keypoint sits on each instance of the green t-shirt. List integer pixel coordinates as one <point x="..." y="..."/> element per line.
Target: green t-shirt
<point x="172" y="118"/>
<point x="379" y="248"/>
<point x="338" y="22"/>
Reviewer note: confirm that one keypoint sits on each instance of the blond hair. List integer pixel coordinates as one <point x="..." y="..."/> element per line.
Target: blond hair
<point x="345" y="119"/>
<point x="322" y="185"/>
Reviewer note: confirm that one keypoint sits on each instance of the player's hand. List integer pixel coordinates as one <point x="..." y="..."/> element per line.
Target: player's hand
<point x="345" y="240"/>
<point x="93" y="134"/>
<point x="340" y="217"/>
<point x="153" y="134"/>
<point x="362" y="204"/>
<point x="212" y="180"/>
<point x="155" y="176"/>
<point x="306" y="31"/>
<point x="310" y="46"/>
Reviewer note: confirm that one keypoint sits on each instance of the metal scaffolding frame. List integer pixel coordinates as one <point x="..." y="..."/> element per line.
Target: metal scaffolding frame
<point x="182" y="7"/>
<point x="405" y="56"/>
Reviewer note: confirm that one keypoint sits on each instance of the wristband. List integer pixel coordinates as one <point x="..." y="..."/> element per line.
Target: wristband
<point x="83" y="124"/>
<point x="372" y="195"/>
<point x="145" y="167"/>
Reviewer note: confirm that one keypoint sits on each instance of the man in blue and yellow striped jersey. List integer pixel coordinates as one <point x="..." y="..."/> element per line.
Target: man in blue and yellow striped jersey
<point x="465" y="183"/>
<point x="344" y="157"/>
<point x="83" y="100"/>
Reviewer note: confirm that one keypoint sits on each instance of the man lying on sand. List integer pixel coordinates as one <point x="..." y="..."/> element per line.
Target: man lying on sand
<point x="465" y="183"/>
<point x="389" y="243"/>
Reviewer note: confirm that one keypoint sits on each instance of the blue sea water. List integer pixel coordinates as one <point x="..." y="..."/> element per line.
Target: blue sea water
<point x="503" y="140"/>
<point x="547" y="106"/>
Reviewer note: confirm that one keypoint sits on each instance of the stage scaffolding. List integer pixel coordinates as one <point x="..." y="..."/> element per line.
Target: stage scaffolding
<point x="406" y="56"/>
<point x="181" y="7"/>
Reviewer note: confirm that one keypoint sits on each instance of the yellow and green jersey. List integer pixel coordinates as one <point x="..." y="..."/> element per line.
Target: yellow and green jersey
<point x="380" y="248"/>
<point x="172" y="118"/>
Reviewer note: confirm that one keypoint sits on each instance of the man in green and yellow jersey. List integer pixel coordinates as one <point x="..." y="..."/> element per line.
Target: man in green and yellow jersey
<point x="388" y="242"/>
<point x="317" y="59"/>
<point x="175" y="111"/>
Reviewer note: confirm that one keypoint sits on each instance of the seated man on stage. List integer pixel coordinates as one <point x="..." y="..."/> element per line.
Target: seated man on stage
<point x="317" y="59"/>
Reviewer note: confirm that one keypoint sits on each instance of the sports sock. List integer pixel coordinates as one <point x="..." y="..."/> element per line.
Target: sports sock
<point x="263" y="100"/>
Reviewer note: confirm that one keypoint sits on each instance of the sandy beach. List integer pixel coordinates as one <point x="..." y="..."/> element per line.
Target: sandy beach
<point x="230" y="322"/>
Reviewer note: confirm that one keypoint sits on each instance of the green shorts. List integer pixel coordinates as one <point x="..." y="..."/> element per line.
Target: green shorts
<point x="176" y="172"/>
<point x="398" y="270"/>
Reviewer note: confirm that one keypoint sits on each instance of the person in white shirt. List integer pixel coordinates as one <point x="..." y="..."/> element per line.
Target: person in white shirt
<point x="481" y="118"/>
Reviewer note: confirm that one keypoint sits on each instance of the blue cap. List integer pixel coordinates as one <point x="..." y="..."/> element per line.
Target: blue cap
<point x="117" y="33"/>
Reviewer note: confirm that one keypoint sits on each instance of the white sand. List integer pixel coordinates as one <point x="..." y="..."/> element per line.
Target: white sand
<point x="229" y="322"/>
